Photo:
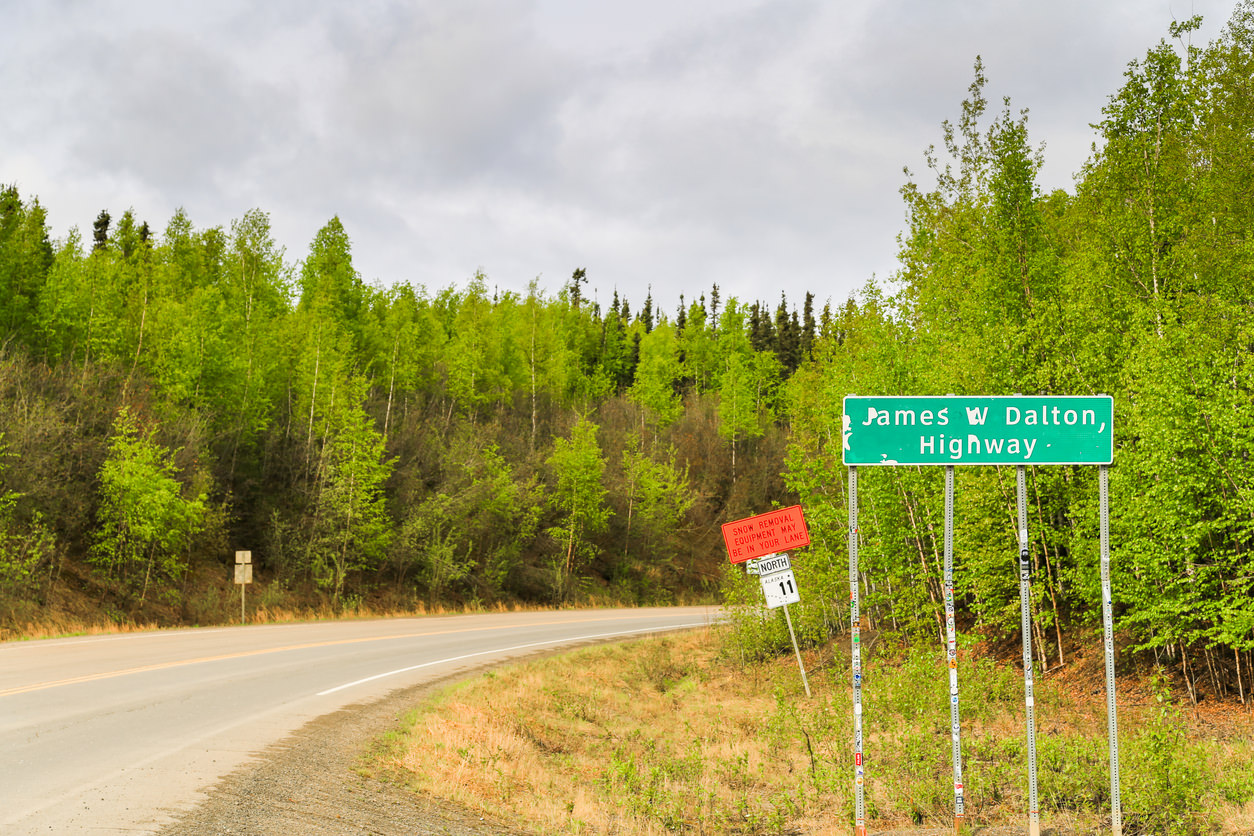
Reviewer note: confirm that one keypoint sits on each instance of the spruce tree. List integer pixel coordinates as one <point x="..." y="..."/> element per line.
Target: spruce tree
<point x="100" y="231"/>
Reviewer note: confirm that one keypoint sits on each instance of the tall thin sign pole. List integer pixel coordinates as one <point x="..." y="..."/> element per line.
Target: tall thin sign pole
<point x="243" y="577"/>
<point x="859" y="777"/>
<point x="795" y="649"/>
<point x="951" y="643"/>
<point x="1025" y="603"/>
<point x="1116" y="814"/>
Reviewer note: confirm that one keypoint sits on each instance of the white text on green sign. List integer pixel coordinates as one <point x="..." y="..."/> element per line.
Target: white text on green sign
<point x="953" y="430"/>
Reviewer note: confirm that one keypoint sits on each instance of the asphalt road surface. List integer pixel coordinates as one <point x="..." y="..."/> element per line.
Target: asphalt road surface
<point x="123" y="733"/>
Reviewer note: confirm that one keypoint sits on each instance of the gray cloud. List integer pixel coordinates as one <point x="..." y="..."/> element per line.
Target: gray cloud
<point x="754" y="144"/>
<point x="166" y="110"/>
<point x="446" y="94"/>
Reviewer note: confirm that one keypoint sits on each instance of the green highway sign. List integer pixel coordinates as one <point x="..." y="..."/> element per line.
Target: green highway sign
<point x="953" y="430"/>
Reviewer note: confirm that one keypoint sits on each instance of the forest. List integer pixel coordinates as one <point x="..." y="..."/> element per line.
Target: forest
<point x="168" y="397"/>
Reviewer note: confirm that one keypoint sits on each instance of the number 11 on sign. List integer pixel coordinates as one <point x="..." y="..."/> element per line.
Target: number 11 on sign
<point x="780" y="589"/>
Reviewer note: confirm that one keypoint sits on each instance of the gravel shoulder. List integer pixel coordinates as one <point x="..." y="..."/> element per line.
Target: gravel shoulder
<point x="307" y="784"/>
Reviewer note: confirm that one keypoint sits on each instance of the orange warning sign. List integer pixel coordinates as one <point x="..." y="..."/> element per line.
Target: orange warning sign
<point x="769" y="533"/>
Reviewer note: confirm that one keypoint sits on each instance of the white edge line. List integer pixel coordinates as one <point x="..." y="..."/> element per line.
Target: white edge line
<point x="509" y="650"/>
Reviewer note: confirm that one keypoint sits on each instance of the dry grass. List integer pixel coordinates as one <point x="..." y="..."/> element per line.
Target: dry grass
<point x="1240" y="819"/>
<point x="641" y="738"/>
<point x="51" y="628"/>
<point x="211" y="599"/>
<point x="52" y="624"/>
<point x="667" y="734"/>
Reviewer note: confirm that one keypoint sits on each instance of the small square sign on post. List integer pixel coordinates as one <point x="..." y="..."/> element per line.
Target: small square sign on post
<point x="243" y="577"/>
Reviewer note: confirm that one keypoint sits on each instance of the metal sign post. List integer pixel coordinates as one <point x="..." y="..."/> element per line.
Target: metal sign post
<point x="859" y="777"/>
<point x="800" y="665"/>
<point x="951" y="647"/>
<point x="1116" y="814"/>
<point x="1025" y="605"/>
<point x="779" y="587"/>
<point x="757" y="541"/>
<point x="243" y="577"/>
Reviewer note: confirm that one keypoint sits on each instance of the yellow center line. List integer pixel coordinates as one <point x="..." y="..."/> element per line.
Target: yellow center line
<point x="93" y="677"/>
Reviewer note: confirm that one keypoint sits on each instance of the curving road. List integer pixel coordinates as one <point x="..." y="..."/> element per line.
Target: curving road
<point x="120" y="733"/>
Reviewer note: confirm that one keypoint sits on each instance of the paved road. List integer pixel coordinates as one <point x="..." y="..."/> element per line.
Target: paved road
<point x="118" y="733"/>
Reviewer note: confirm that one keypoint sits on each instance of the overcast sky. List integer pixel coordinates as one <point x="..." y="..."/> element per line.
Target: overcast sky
<point x="671" y="143"/>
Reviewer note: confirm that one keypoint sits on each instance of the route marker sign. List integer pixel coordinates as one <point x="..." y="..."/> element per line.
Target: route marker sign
<point x="780" y="589"/>
<point x="953" y="430"/>
<point x="774" y="531"/>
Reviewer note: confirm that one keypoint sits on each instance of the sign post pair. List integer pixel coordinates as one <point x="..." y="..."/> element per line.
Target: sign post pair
<point x="1008" y="430"/>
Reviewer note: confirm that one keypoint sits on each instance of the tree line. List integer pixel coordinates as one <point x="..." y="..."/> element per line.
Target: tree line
<point x="168" y="398"/>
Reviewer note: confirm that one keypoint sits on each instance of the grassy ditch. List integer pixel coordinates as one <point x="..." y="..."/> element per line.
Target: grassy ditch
<point x="678" y="734"/>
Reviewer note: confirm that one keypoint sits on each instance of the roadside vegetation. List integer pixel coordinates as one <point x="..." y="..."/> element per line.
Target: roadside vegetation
<point x="220" y="607"/>
<point x="688" y="734"/>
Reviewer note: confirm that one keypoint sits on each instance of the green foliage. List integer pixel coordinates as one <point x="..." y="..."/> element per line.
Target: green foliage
<point x="1166" y="781"/>
<point x="657" y="375"/>
<point x="146" y="519"/>
<point x="658" y="498"/>
<point x="579" y="499"/>
<point x="430" y="543"/>
<point x="26" y="550"/>
<point x="481" y="520"/>
<point x="352" y="527"/>
<point x="315" y="411"/>
<point x="329" y="284"/>
<point x="755" y="632"/>
<point x="26" y="255"/>
<point x="1131" y="287"/>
